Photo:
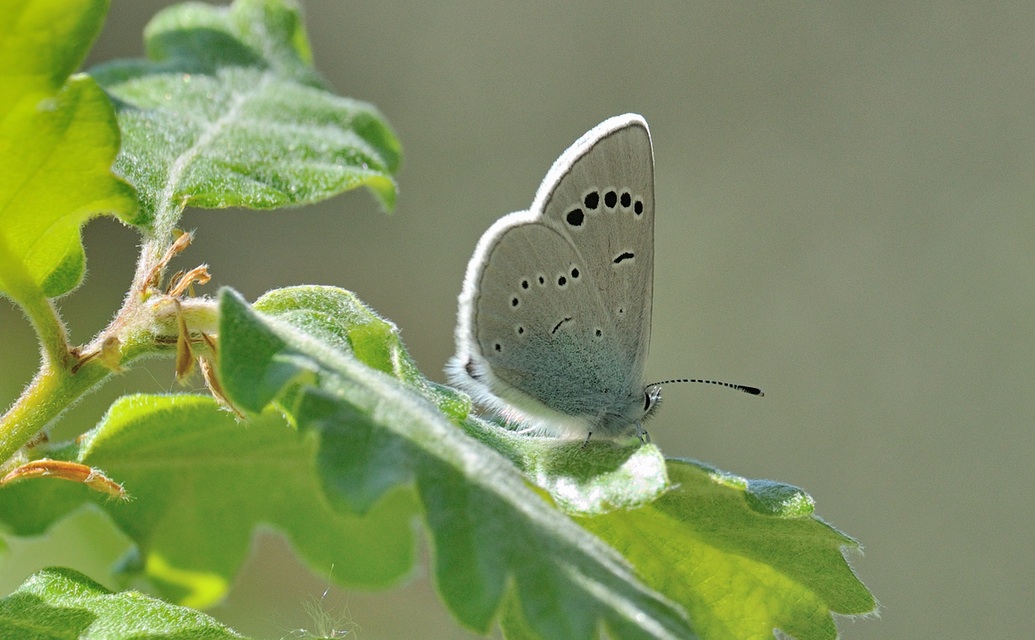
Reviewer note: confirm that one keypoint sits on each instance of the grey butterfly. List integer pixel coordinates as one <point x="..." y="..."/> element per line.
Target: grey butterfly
<point x="555" y="313"/>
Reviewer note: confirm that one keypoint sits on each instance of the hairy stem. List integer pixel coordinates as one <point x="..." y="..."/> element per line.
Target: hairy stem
<point x="52" y="333"/>
<point x="50" y="393"/>
<point x="141" y="329"/>
<point x="41" y="312"/>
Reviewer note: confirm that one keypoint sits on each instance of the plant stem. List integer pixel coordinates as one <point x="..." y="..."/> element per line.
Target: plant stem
<point x="141" y="329"/>
<point x="53" y="335"/>
<point x="157" y="241"/>
<point x="27" y="294"/>
<point x="52" y="391"/>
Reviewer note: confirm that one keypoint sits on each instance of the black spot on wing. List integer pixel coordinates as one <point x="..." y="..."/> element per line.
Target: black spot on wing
<point x="558" y="325"/>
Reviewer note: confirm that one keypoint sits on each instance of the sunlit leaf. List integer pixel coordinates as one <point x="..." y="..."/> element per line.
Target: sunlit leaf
<point x="228" y="111"/>
<point x="58" y="138"/>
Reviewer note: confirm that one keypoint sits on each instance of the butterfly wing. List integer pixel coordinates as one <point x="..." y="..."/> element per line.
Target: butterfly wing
<point x="610" y="188"/>
<point x="555" y="314"/>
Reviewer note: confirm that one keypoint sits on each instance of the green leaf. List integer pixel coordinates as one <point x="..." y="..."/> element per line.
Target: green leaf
<point x="743" y="557"/>
<point x="200" y="484"/>
<point x="591" y="478"/>
<point x="341" y="321"/>
<point x="59" y="604"/>
<point x="228" y="111"/>
<point x="492" y="534"/>
<point x="58" y="138"/>
<point x="42" y="43"/>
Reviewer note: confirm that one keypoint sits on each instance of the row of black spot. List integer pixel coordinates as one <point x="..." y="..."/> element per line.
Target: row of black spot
<point x="520" y="330"/>
<point x="576" y="217"/>
<point x="562" y="280"/>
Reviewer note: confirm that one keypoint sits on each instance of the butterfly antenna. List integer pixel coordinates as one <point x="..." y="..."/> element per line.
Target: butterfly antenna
<point x="755" y="391"/>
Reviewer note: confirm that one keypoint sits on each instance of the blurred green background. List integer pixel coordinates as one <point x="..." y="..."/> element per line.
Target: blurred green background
<point x="844" y="218"/>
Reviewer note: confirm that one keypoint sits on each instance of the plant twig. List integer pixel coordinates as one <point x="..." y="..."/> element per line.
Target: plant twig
<point x="50" y="393"/>
<point x="141" y="328"/>
<point x="42" y="313"/>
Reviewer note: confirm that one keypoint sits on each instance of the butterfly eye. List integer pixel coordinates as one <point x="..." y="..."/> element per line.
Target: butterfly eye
<point x="651" y="398"/>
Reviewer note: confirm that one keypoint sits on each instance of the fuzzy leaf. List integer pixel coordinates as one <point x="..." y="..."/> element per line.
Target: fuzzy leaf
<point x="58" y="138"/>
<point x="228" y="111"/>
<point x="492" y="534"/>
<point x="744" y="557"/>
<point x="200" y="484"/>
<point x="60" y="604"/>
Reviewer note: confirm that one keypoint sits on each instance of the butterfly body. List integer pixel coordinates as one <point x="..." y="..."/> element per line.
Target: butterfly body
<point x="554" y="321"/>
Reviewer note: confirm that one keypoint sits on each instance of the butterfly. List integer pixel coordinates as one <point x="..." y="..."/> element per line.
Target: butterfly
<point x="554" y="318"/>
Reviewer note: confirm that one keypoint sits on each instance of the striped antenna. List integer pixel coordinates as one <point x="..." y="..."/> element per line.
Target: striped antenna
<point x="755" y="391"/>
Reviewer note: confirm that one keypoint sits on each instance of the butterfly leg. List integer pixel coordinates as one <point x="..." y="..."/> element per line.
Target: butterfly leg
<point x="642" y="434"/>
<point x="586" y="441"/>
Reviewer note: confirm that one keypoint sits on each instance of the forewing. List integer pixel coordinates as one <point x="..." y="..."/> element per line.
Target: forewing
<point x="599" y="196"/>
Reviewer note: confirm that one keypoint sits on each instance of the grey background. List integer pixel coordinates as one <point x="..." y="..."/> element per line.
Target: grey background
<point x="844" y="218"/>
